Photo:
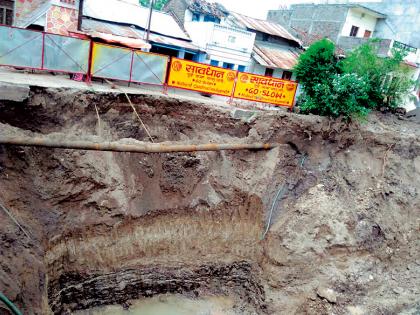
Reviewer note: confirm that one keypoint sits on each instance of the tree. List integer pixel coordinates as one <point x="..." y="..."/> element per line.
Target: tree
<point x="157" y="5"/>
<point x="389" y="82"/>
<point x="317" y="65"/>
<point x="352" y="87"/>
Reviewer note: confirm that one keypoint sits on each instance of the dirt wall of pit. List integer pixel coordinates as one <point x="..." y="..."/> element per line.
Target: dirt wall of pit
<point x="106" y="228"/>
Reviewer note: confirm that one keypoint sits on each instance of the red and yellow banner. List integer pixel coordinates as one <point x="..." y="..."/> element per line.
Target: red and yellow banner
<point x="265" y="89"/>
<point x="200" y="77"/>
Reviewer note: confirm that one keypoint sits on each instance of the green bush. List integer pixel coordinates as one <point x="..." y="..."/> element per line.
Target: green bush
<point x="346" y="95"/>
<point x="388" y="80"/>
<point x="352" y="87"/>
<point x="316" y="65"/>
<point x="158" y="5"/>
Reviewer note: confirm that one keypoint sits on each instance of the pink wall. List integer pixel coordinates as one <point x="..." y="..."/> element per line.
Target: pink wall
<point x="61" y="20"/>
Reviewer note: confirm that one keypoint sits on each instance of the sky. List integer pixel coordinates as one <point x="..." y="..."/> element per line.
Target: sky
<point x="259" y="8"/>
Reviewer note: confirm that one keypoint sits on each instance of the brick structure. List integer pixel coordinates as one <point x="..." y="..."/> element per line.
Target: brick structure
<point x="61" y="20"/>
<point x="314" y="20"/>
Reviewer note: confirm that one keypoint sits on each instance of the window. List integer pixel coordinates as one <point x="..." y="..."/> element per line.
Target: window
<point x="214" y="62"/>
<point x="353" y="31"/>
<point x="269" y="72"/>
<point x="241" y="68"/>
<point x="210" y="18"/>
<point x="196" y="17"/>
<point x="232" y="39"/>
<point x="367" y="34"/>
<point x="227" y="65"/>
<point x="287" y="75"/>
<point x="265" y="37"/>
<point x="6" y="16"/>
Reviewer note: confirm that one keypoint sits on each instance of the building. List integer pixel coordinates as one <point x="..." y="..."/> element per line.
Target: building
<point x="236" y="41"/>
<point x="275" y="51"/>
<point x="349" y="25"/>
<point x="118" y="22"/>
<point x="130" y="20"/>
<point x="225" y="46"/>
<point x="402" y="21"/>
<point x="54" y="16"/>
<point x="394" y="23"/>
<point x="338" y="22"/>
<point x="6" y="12"/>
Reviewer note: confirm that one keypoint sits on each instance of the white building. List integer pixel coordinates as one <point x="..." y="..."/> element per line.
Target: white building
<point x="225" y="46"/>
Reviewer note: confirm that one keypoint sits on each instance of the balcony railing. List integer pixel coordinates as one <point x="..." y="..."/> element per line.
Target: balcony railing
<point x="349" y="43"/>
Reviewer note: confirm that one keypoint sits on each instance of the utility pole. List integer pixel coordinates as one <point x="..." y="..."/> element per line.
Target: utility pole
<point x="149" y="22"/>
<point x="80" y="16"/>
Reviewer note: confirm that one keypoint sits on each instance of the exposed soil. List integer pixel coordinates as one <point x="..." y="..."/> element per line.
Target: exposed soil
<point x="117" y="228"/>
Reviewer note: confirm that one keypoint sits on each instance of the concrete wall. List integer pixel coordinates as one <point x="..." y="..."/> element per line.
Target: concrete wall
<point x="361" y="19"/>
<point x="348" y="43"/>
<point x="402" y="23"/>
<point x="320" y="20"/>
<point x="177" y="9"/>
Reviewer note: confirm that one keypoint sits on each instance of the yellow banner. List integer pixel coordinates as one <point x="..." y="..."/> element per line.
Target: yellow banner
<point x="265" y="89"/>
<point x="201" y="77"/>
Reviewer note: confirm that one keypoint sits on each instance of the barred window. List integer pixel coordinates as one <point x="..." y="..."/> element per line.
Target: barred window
<point x="6" y="16"/>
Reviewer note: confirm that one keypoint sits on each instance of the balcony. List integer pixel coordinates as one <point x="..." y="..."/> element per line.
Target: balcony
<point x="385" y="47"/>
<point x="348" y="43"/>
<point x="210" y="37"/>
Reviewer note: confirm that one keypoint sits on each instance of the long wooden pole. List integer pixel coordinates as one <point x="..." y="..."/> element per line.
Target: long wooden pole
<point x="121" y="147"/>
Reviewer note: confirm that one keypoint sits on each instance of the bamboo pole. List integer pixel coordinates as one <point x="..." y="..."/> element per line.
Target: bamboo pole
<point x="136" y="148"/>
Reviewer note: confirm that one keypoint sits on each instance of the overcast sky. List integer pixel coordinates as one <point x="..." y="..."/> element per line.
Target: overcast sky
<point x="259" y="8"/>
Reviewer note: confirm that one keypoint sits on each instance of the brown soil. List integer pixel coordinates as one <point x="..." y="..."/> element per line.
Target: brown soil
<point x="108" y="228"/>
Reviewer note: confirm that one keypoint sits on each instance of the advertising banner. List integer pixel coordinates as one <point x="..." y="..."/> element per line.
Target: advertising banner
<point x="259" y="88"/>
<point x="201" y="77"/>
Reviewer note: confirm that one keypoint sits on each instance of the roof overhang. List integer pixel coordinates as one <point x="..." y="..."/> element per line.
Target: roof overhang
<point x="125" y="41"/>
<point x="363" y="9"/>
<point x="275" y="56"/>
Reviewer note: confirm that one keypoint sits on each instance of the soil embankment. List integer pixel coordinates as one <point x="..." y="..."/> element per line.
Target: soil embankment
<point x="113" y="230"/>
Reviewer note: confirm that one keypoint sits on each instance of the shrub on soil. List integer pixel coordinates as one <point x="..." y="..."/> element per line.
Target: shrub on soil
<point x="351" y="87"/>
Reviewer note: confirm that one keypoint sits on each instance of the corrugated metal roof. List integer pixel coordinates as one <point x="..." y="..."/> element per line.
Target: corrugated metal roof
<point x="275" y="56"/>
<point x="131" y="14"/>
<point x="124" y="40"/>
<point x="126" y="31"/>
<point x="264" y="26"/>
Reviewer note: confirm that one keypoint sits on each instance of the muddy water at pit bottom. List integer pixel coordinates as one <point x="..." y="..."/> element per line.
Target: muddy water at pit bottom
<point x="169" y="305"/>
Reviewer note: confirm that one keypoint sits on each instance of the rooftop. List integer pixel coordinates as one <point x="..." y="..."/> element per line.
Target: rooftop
<point x="263" y="26"/>
<point x="275" y="56"/>
<point x="131" y="14"/>
<point x="95" y="28"/>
